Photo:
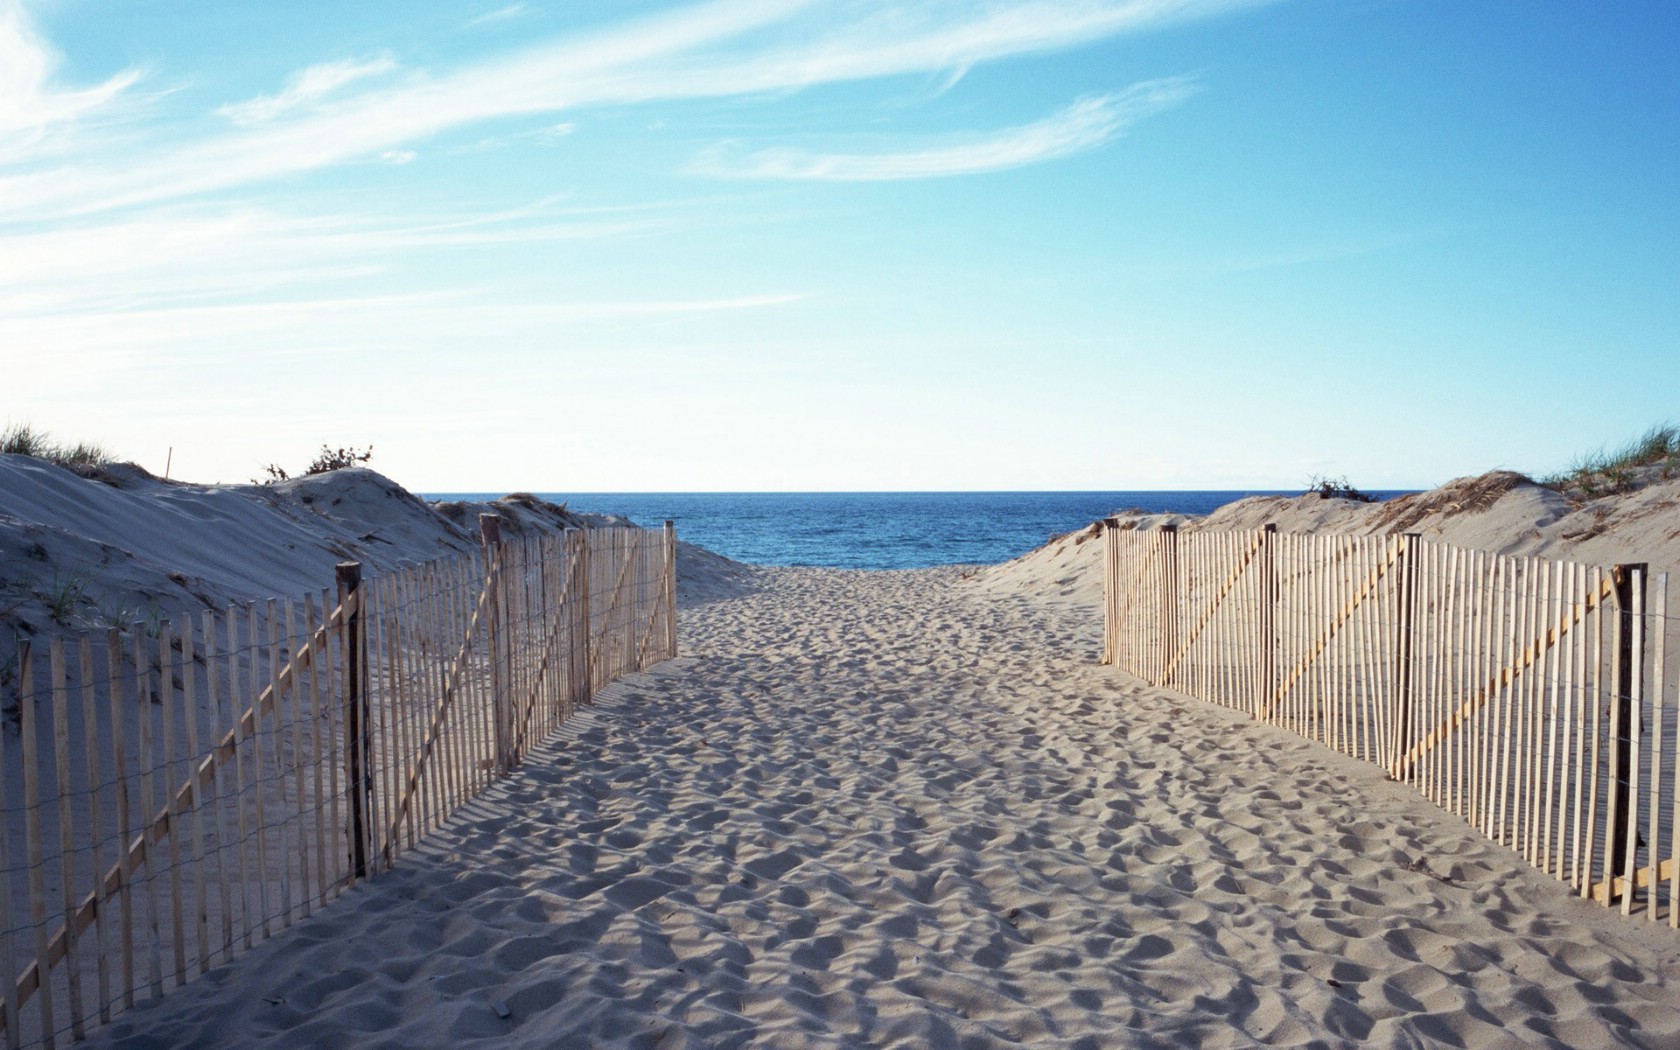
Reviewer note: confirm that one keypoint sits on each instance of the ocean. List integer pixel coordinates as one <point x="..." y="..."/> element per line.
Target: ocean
<point x="876" y="530"/>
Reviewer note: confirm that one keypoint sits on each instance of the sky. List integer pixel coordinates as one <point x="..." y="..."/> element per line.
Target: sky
<point x="813" y="245"/>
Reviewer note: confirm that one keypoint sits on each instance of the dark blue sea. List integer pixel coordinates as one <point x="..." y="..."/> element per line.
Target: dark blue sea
<point x="876" y="530"/>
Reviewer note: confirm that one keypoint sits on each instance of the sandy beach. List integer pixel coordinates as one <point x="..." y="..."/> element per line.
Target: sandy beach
<point x="897" y="809"/>
<point x="1089" y="524"/>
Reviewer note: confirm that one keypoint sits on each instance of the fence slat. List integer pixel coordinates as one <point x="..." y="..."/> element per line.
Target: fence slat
<point x="1653" y="803"/>
<point x="1589" y="873"/>
<point x="12" y="986"/>
<point x="1674" y="789"/>
<point x="1631" y="698"/>
<point x="30" y="743"/>
<point x="189" y="704"/>
<point x="1554" y="679"/>
<point x="1578" y="719"/>
<point x="166" y="704"/>
<point x="256" y="803"/>
<point x="96" y="803"/>
<point x="1482" y="680"/>
<point x="259" y="776"/>
<point x="299" y="854"/>
<point x="145" y="701"/>
<point x="1528" y="744"/>
<point x="213" y="708"/>
<point x="1524" y="658"/>
<point x="66" y="828"/>
<point x="447" y="775"/>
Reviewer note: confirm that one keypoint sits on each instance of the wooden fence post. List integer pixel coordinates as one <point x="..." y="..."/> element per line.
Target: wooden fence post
<point x="587" y="613"/>
<point x="1111" y="600"/>
<point x="670" y="589"/>
<point x="1405" y="626"/>
<point x="1169" y="598"/>
<point x="358" y="740"/>
<point x="29" y="743"/>
<point x="1266" y="627"/>
<point x="501" y="705"/>
<point x="8" y="975"/>
<point x="1626" y="681"/>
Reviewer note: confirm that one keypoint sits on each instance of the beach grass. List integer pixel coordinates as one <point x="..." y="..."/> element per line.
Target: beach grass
<point x="1606" y="471"/>
<point x="25" y="439"/>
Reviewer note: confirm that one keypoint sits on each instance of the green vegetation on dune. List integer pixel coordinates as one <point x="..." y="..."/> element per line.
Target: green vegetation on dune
<point x="25" y="440"/>
<point x="1655" y="455"/>
<point x="327" y="459"/>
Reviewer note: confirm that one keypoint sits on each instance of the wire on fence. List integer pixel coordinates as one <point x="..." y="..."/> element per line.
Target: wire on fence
<point x="1532" y="698"/>
<point x="174" y="793"/>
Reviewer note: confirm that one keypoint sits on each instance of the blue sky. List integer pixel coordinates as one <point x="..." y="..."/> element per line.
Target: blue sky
<point x="786" y="245"/>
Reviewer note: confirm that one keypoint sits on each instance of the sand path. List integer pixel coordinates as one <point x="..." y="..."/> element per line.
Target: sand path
<point x="877" y="809"/>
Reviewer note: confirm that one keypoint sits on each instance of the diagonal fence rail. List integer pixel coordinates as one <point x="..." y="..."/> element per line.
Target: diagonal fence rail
<point x="172" y="795"/>
<point x="1535" y="699"/>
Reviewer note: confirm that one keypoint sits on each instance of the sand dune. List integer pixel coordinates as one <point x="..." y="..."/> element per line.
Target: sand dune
<point x="882" y="809"/>
<point x="889" y="809"/>
<point x="1501" y="512"/>
<point x="122" y="546"/>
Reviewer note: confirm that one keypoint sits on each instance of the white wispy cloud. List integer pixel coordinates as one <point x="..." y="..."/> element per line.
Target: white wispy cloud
<point x="201" y="255"/>
<point x="866" y="38"/>
<point x="720" y="48"/>
<point x="305" y="87"/>
<point x="500" y="14"/>
<point x="544" y="136"/>
<point x="460" y="318"/>
<point x="30" y="103"/>
<point x="1081" y="127"/>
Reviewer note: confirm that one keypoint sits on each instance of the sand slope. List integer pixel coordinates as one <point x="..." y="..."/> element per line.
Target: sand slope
<point x="121" y="545"/>
<point x="1501" y="512"/>
<point x="883" y="809"/>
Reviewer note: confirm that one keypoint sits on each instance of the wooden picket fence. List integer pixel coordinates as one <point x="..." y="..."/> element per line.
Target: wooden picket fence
<point x="1532" y="698"/>
<point x="173" y="794"/>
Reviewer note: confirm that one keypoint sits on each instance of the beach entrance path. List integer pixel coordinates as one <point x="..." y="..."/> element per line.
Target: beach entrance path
<point x="881" y="809"/>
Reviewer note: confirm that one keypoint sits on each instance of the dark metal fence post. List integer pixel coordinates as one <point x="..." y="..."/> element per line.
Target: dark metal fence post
<point x="357" y="718"/>
<point x="1266" y="625"/>
<point x="1409" y="566"/>
<point x="586" y="614"/>
<point x="1622" y="819"/>
<point x="670" y="594"/>
<point x="1169" y="601"/>
<point x="1111" y="591"/>
<point x="501" y="705"/>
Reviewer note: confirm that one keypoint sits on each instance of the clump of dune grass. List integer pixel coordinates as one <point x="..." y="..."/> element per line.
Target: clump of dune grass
<point x="25" y="440"/>
<point x="1336" y="488"/>
<point x="328" y="459"/>
<point x="1653" y="456"/>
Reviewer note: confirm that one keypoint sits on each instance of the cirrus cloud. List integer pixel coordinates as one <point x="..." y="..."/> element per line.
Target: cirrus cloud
<point x="307" y="86"/>
<point x="1081" y="127"/>
<point x="716" y="49"/>
<point x="30" y="103"/>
